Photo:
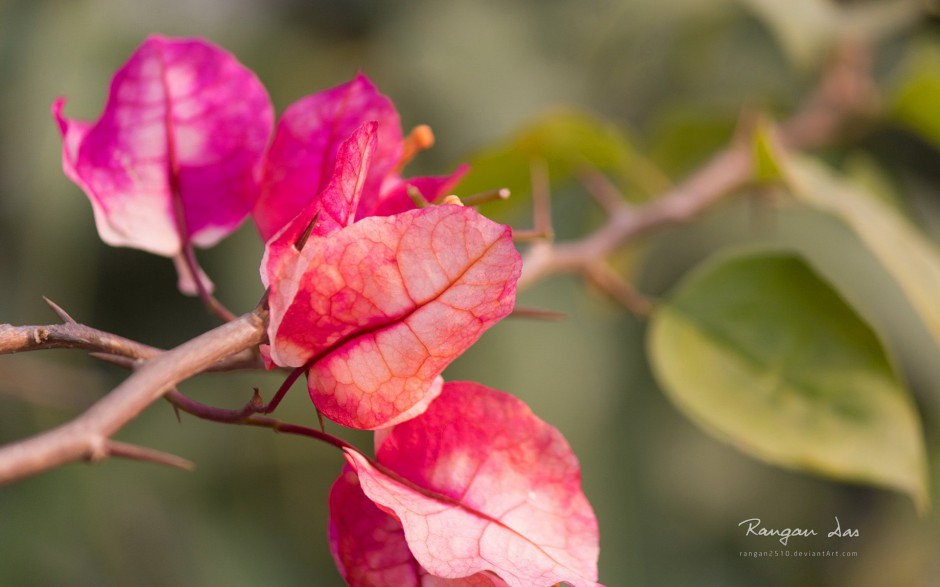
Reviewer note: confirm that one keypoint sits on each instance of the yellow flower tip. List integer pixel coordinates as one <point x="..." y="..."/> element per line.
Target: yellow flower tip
<point x="452" y="200"/>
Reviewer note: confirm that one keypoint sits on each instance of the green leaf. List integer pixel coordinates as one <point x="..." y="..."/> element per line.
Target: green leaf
<point x="808" y="30"/>
<point x="761" y="352"/>
<point x="914" y="102"/>
<point x="867" y="175"/>
<point x="687" y="135"/>
<point x="767" y="166"/>
<point x="566" y="142"/>
<point x="804" y="32"/>
<point x="902" y="249"/>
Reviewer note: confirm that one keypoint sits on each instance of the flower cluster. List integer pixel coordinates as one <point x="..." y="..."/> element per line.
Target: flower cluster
<point x="368" y="294"/>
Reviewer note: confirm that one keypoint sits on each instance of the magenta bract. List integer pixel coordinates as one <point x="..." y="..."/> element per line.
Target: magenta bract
<point x="394" y="197"/>
<point x="331" y="209"/>
<point x="478" y="484"/>
<point x="306" y="149"/>
<point x="368" y="545"/>
<point x="175" y="157"/>
<point x="377" y="310"/>
<point x="303" y="155"/>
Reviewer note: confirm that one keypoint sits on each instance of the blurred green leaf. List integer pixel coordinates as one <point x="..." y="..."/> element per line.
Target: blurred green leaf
<point x="767" y="167"/>
<point x="804" y="34"/>
<point x="761" y="352"/>
<point x="686" y="136"/>
<point x="864" y="171"/>
<point x="807" y="30"/>
<point x="902" y="249"/>
<point x="566" y="141"/>
<point x="914" y="102"/>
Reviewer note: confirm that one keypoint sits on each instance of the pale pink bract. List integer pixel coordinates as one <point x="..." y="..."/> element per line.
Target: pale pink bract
<point x="374" y="310"/>
<point x="369" y="545"/>
<point x="377" y="310"/>
<point x="477" y="484"/>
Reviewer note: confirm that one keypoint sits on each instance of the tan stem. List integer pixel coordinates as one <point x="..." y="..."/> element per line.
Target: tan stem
<point x="824" y="119"/>
<point x="87" y="436"/>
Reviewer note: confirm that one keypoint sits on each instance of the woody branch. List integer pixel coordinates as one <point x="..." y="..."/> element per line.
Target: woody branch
<point x="846" y="93"/>
<point x="89" y="435"/>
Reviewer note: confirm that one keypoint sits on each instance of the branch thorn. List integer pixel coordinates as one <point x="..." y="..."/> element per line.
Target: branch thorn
<point x="536" y="313"/>
<point x="62" y="314"/>
<point x="621" y="291"/>
<point x="302" y="239"/>
<point x="604" y="192"/>
<point x="139" y="453"/>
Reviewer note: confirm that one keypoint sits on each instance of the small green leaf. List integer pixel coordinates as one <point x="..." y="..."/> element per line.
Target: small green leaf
<point x="566" y="142"/>
<point x="761" y="352"/>
<point x="687" y="135"/>
<point x="808" y="30"/>
<point x="866" y="174"/>
<point x="902" y="249"/>
<point x="767" y="167"/>
<point x="914" y="103"/>
<point x="804" y="32"/>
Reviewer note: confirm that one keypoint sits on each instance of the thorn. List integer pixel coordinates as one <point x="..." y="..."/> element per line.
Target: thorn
<point x="262" y="306"/>
<point x="531" y="234"/>
<point x="254" y="406"/>
<point x="609" y="282"/>
<point x="320" y="419"/>
<point x="256" y="402"/>
<point x="302" y="239"/>
<point x="176" y="410"/>
<point x="536" y="313"/>
<point x="140" y="453"/>
<point x="62" y="314"/>
<point x="604" y="192"/>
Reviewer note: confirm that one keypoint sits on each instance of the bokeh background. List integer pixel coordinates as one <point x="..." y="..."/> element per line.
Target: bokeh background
<point x="672" y="76"/>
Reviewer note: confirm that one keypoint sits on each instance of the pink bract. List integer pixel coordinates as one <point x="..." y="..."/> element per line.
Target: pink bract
<point x="302" y="157"/>
<point x="331" y="209"/>
<point x="478" y="484"/>
<point x="375" y="311"/>
<point x="369" y="545"/>
<point x="306" y="148"/>
<point x="175" y="156"/>
<point x="395" y="199"/>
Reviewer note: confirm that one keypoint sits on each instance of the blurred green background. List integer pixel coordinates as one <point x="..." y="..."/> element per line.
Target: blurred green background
<point x="672" y="76"/>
